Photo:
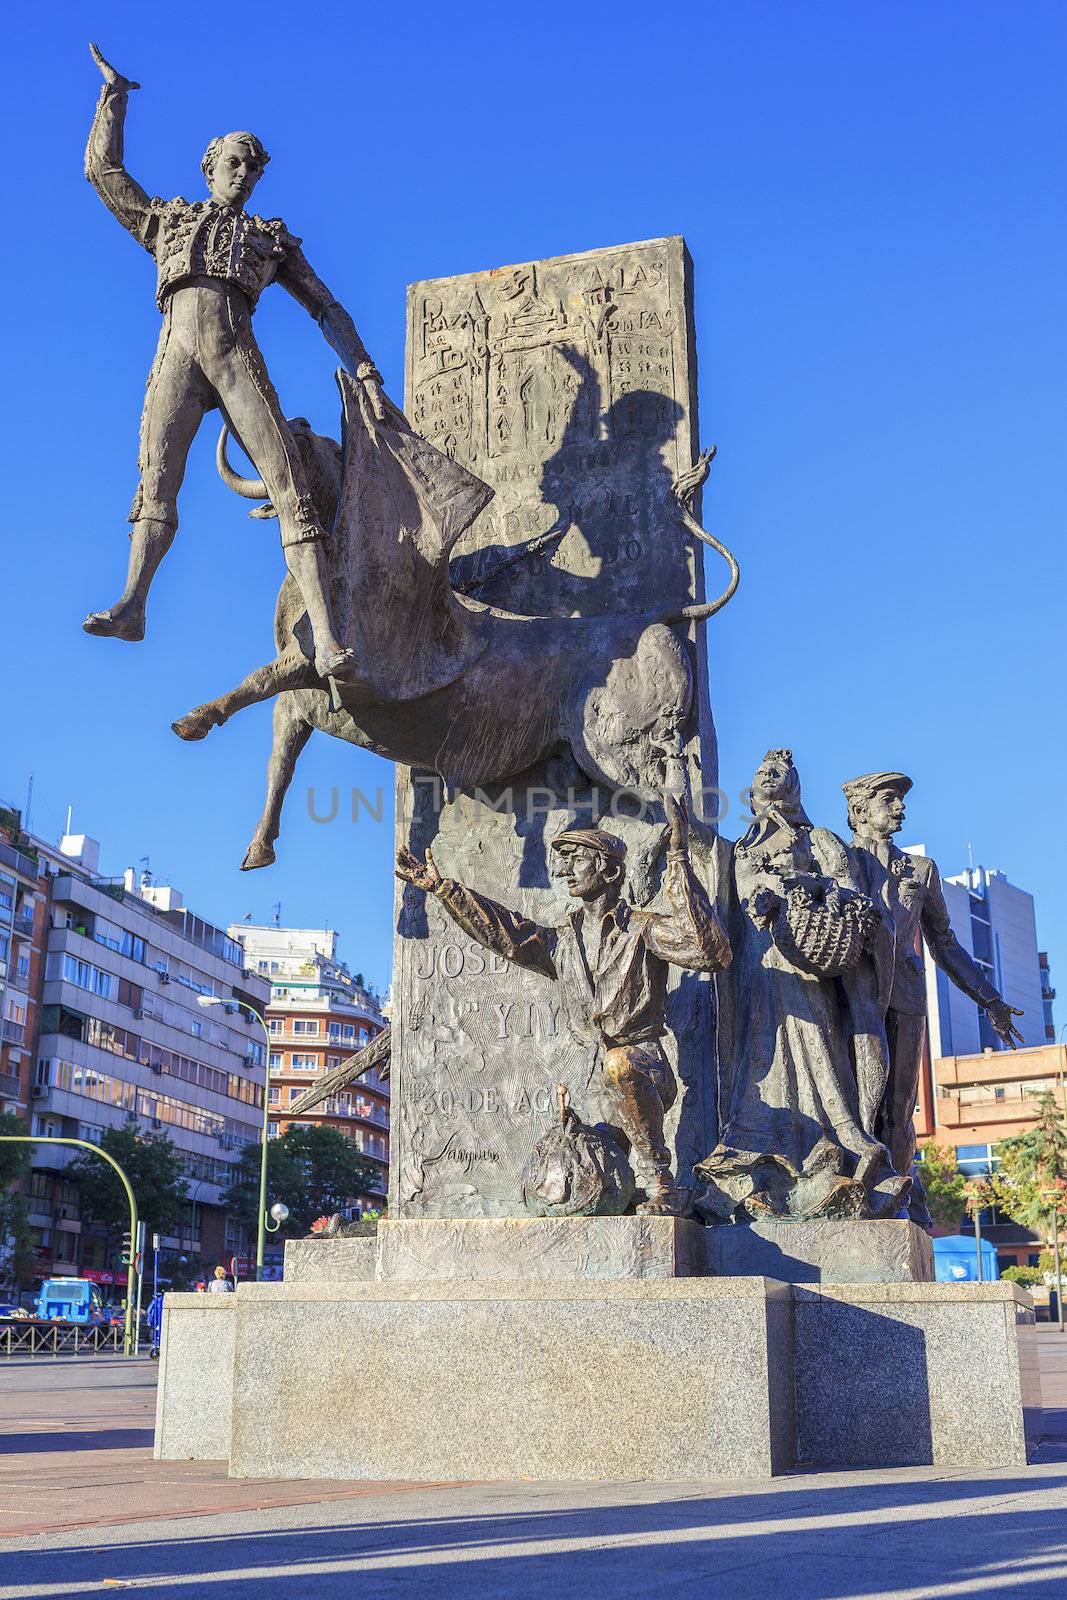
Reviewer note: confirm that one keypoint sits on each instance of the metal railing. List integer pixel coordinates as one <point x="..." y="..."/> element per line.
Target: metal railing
<point x="18" y="1338"/>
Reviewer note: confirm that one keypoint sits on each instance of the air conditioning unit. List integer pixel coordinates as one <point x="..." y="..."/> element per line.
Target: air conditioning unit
<point x="157" y="1067"/>
<point x="40" y="1092"/>
<point x="156" y="1123"/>
<point x="164" y="977"/>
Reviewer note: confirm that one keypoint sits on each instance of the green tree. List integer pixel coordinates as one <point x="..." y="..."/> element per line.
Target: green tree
<point x="944" y="1183"/>
<point x="316" y="1171"/>
<point x="1031" y="1179"/>
<point x="154" y="1169"/>
<point x="16" y="1239"/>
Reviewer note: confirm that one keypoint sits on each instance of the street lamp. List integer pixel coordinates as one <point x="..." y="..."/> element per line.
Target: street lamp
<point x="263" y="1225"/>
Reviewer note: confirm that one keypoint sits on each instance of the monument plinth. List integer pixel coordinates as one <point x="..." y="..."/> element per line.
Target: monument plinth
<point x="569" y="386"/>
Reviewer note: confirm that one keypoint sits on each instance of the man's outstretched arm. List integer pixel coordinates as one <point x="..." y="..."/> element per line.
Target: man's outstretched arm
<point x="339" y="331"/>
<point x="104" y="166"/>
<point x="510" y="935"/>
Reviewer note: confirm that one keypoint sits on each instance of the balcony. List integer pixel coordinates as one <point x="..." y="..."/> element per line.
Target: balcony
<point x="20" y="863"/>
<point x="952" y="1112"/>
<point x="9" y="1086"/>
<point x="1006" y="1067"/>
<point x="23" y="925"/>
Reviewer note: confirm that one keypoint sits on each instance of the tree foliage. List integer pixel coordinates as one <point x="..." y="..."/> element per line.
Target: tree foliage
<point x="1031" y="1179"/>
<point x="16" y="1239"/>
<point x="315" y="1171"/>
<point x="945" y="1184"/>
<point x="154" y="1169"/>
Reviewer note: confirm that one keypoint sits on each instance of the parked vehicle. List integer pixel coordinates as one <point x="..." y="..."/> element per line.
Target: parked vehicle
<point x="71" y="1300"/>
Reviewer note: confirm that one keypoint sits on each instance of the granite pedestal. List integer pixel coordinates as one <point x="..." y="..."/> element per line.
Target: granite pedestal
<point x="194" y="1396"/>
<point x="653" y="1379"/>
<point x="624" y="1366"/>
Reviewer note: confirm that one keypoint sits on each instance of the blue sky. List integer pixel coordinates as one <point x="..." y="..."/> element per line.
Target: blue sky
<point x="874" y="199"/>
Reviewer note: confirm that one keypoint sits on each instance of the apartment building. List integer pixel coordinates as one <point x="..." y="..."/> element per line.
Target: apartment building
<point x="121" y="1035"/>
<point x="319" y="1014"/>
<point x="23" y="919"/>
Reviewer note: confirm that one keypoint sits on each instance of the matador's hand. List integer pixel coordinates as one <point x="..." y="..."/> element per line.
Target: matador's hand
<point x="1000" y="1014"/>
<point x="423" y="874"/>
<point x="113" y="79"/>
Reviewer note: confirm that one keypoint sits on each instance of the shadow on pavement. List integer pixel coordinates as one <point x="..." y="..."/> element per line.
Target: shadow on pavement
<point x="38" y="1443"/>
<point x="833" y="1542"/>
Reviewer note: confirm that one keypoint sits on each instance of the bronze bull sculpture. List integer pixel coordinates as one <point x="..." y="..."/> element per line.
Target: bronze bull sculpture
<point x="446" y="683"/>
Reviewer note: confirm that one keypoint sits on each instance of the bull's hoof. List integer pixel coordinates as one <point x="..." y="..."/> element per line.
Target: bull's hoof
<point x="258" y="855"/>
<point x="117" y="623"/>
<point x="198" y="723"/>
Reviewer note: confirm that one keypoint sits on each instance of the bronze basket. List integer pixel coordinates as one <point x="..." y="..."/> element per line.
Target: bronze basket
<point x="822" y="934"/>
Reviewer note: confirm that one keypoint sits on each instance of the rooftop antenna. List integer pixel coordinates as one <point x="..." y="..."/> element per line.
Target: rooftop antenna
<point x="70" y="814"/>
<point x="26" y="819"/>
<point x="277" y="913"/>
<point x="970" y="856"/>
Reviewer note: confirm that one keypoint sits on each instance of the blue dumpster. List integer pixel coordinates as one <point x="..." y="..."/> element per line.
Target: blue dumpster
<point x="956" y="1259"/>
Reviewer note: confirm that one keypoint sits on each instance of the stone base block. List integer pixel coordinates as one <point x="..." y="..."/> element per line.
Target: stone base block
<point x="822" y="1252"/>
<point x="656" y="1379"/>
<point x="194" y="1399"/>
<point x="940" y="1374"/>
<point x="330" y="1260"/>
<point x="543" y="1248"/>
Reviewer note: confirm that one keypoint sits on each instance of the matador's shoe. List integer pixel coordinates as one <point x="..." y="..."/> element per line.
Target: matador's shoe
<point x="335" y="664"/>
<point x="119" y="622"/>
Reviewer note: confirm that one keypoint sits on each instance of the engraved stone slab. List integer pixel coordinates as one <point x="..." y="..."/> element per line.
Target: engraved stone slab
<point x="823" y="1251"/>
<point x="941" y="1374"/>
<point x="323" y="1260"/>
<point x="648" y="1380"/>
<point x="540" y="1247"/>
<point x="569" y="385"/>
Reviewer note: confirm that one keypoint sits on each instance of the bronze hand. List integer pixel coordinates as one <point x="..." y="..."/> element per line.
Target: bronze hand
<point x="113" y="79"/>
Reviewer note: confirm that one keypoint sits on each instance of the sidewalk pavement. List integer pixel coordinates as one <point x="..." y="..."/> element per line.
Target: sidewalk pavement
<point x="84" y="1510"/>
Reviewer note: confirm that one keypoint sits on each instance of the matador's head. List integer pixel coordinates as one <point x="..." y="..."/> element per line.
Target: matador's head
<point x="233" y="165"/>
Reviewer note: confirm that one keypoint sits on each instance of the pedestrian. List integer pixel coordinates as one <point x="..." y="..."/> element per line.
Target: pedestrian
<point x="220" y="1283"/>
<point x="155" y="1323"/>
<point x="201" y="1287"/>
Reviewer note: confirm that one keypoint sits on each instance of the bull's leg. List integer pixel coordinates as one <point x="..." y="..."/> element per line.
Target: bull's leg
<point x="291" y="734"/>
<point x="290" y="670"/>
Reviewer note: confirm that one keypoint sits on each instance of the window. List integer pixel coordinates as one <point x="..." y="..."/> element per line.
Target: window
<point x="348" y="1032"/>
<point x="130" y="994"/>
<point x="85" y="976"/>
<point x="276" y="1024"/>
<point x="275" y="1061"/>
<point x="335" y="1030"/>
<point x="305" y="1026"/>
<point x="302" y="1063"/>
<point x="274" y="1096"/>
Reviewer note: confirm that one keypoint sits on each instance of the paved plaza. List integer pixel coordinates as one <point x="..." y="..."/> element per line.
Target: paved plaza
<point x="86" y="1510"/>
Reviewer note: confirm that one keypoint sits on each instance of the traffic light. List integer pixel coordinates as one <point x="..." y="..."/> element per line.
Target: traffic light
<point x="126" y="1253"/>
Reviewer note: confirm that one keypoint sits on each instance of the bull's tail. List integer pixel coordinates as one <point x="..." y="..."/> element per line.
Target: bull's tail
<point x="685" y="486"/>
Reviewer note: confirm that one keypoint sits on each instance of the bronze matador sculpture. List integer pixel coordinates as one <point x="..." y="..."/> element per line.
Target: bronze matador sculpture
<point x="213" y="261"/>
<point x="611" y="961"/>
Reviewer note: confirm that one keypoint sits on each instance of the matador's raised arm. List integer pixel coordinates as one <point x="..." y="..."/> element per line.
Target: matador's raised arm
<point x="104" y="155"/>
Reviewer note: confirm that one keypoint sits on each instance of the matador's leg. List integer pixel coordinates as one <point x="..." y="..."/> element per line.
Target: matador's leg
<point x="174" y="408"/>
<point x="640" y="1108"/>
<point x="252" y="408"/>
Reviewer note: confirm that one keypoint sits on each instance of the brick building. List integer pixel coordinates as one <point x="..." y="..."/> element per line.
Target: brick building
<point x="319" y="1014"/>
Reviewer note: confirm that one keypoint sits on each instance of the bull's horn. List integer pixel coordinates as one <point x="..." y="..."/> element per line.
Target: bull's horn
<point x="247" y="488"/>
